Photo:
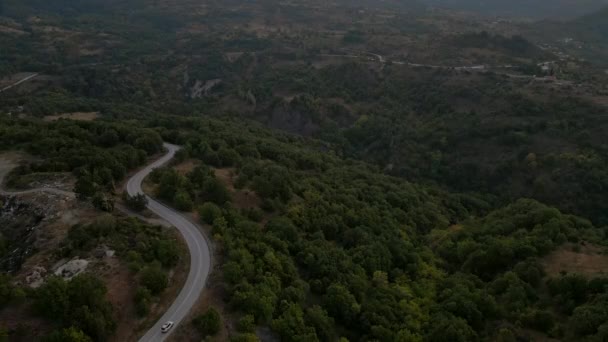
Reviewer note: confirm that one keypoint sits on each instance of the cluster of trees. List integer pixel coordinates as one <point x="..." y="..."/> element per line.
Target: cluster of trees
<point x="423" y="128"/>
<point x="79" y="305"/>
<point x="516" y="45"/>
<point x="208" y="323"/>
<point x="150" y="251"/>
<point x="185" y="192"/>
<point x="9" y="293"/>
<point x="99" y="154"/>
<point x="349" y="252"/>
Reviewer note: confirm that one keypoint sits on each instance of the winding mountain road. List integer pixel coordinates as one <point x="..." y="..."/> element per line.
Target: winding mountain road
<point x="198" y="245"/>
<point x="200" y="252"/>
<point x="25" y="79"/>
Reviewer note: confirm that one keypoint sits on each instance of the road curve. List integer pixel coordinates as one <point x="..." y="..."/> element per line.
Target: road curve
<point x="25" y="79"/>
<point x="200" y="255"/>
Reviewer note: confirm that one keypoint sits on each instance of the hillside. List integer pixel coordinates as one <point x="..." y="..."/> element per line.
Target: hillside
<point x="538" y="9"/>
<point x="364" y="171"/>
<point x="594" y="25"/>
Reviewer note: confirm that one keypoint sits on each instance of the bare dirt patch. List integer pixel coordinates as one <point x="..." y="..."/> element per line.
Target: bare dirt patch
<point x="11" y="30"/>
<point x="241" y="198"/>
<point x="121" y="291"/>
<point x="590" y="260"/>
<point x="80" y="116"/>
<point x="186" y="167"/>
<point x="455" y="228"/>
<point x="226" y="176"/>
<point x="8" y="161"/>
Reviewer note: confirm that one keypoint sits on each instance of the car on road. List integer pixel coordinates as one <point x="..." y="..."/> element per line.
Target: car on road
<point x="167" y="326"/>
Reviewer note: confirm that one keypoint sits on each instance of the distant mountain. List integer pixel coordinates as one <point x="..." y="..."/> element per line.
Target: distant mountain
<point x="528" y="8"/>
<point x="595" y="24"/>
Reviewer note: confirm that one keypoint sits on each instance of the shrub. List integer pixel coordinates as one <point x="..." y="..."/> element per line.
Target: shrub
<point x="209" y="212"/>
<point x="209" y="323"/>
<point x="154" y="279"/>
<point x="137" y="202"/>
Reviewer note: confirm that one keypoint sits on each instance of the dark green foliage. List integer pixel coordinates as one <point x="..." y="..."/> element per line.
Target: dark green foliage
<point x="292" y="327"/>
<point x="450" y="328"/>
<point x="9" y="292"/>
<point x="137" y="202"/>
<point x="79" y="303"/>
<point x="154" y="279"/>
<point x="590" y="319"/>
<point x="98" y="153"/>
<point x="143" y="298"/>
<point x="246" y="324"/>
<point x="130" y="238"/>
<point x="208" y="323"/>
<point x="182" y="201"/>
<point x="209" y="212"/>
<point x="349" y="249"/>
<point x="71" y="334"/>
<point x="103" y="201"/>
<point x="341" y="303"/>
<point x="516" y="45"/>
<point x="197" y="187"/>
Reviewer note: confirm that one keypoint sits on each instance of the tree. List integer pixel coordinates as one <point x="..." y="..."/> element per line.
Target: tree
<point x="8" y="291"/>
<point x="209" y="323"/>
<point x="138" y="202"/>
<point x="245" y="337"/>
<point x="150" y="142"/>
<point x="70" y="334"/>
<point x="103" y="202"/>
<point x="183" y="201"/>
<point x="52" y="299"/>
<point x="214" y="191"/>
<point x="505" y="335"/>
<point x="587" y="319"/>
<point x="169" y="183"/>
<point x="317" y="317"/>
<point x="209" y="212"/>
<point x="143" y="297"/>
<point x="80" y="303"/>
<point x="109" y="138"/>
<point x="154" y="279"/>
<point x="341" y="303"/>
<point x="85" y="187"/>
<point x="450" y="328"/>
<point x="246" y="324"/>
<point x="292" y="327"/>
<point x="166" y="252"/>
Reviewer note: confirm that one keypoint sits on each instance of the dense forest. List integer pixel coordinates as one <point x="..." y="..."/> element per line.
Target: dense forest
<point x="341" y="250"/>
<point x="335" y="249"/>
<point x="349" y="195"/>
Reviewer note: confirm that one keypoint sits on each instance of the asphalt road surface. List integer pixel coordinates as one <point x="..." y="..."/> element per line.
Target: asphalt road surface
<point x="200" y="256"/>
<point x="25" y="79"/>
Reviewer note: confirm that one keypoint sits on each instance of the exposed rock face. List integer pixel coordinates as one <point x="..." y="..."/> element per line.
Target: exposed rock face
<point x="36" y="277"/>
<point x="19" y="221"/>
<point x="72" y="268"/>
<point x="201" y="89"/>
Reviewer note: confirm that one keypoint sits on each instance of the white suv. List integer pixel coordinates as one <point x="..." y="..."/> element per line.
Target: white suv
<point x="167" y="326"/>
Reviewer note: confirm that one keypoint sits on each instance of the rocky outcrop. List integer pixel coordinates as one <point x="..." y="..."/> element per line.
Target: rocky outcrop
<point x="72" y="268"/>
<point x="200" y="89"/>
<point x="19" y="221"/>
